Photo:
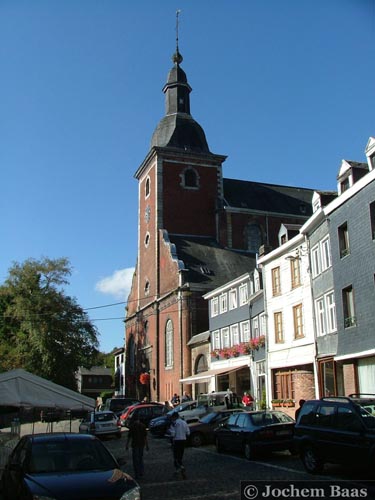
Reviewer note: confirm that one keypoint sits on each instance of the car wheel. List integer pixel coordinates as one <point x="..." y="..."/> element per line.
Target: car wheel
<point x="196" y="439"/>
<point x="293" y="450"/>
<point x="219" y="446"/>
<point x="311" y="461"/>
<point x="249" y="451"/>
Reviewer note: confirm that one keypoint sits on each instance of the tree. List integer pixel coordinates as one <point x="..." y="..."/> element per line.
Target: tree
<point x="43" y="330"/>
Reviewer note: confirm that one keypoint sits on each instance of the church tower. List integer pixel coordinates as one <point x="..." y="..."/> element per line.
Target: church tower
<point x="180" y="192"/>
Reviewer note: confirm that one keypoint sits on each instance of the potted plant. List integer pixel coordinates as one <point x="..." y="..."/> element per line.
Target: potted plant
<point x="276" y="402"/>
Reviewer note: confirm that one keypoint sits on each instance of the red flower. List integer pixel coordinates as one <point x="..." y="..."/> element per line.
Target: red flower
<point x="144" y="378"/>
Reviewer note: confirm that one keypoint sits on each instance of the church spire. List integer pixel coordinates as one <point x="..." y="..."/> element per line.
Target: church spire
<point x="178" y="129"/>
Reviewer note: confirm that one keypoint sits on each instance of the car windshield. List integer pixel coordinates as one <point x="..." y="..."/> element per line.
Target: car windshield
<point x="266" y="418"/>
<point x="70" y="456"/>
<point x="104" y="417"/>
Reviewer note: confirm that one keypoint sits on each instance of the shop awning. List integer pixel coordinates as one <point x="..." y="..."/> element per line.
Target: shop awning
<point x="200" y="377"/>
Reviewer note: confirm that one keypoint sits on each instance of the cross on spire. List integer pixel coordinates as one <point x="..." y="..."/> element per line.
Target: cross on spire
<point x="177" y="57"/>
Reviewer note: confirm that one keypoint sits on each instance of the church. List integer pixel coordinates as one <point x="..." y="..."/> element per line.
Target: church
<point x="197" y="230"/>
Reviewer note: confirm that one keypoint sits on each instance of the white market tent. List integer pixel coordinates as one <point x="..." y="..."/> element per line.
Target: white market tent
<point x="24" y="390"/>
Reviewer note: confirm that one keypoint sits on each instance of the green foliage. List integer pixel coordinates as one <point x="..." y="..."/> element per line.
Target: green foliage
<point x="43" y="330"/>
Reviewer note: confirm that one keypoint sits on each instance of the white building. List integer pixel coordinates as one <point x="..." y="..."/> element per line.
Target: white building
<point x="288" y="306"/>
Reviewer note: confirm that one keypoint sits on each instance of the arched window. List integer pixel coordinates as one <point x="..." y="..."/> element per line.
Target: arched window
<point x="169" y="343"/>
<point x="189" y="178"/>
<point x="131" y="354"/>
<point x="147" y="239"/>
<point x="201" y="364"/>
<point x="147" y="287"/>
<point x="147" y="187"/>
<point x="254" y="238"/>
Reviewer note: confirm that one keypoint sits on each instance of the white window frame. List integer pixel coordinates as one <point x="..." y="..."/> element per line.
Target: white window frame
<point x="245" y="331"/>
<point x="214" y="307"/>
<point x="216" y="339"/>
<point x="223" y="303"/>
<point x="315" y="260"/>
<point x="331" y="311"/>
<point x="320" y="311"/>
<point x="233" y="299"/>
<point x="225" y="336"/>
<point x="244" y="294"/>
<point x="255" y="330"/>
<point x="235" y="334"/>
<point x="326" y="260"/>
<point x="262" y="324"/>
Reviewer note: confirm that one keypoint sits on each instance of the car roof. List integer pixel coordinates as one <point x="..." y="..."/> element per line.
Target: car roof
<point x="59" y="436"/>
<point x="147" y="405"/>
<point x="103" y="412"/>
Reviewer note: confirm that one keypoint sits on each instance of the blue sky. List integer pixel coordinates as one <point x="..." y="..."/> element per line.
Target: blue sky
<point x="285" y="88"/>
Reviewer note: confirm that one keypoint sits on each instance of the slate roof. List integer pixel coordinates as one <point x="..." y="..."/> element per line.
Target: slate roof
<point x="268" y="197"/>
<point x="208" y="264"/>
<point x="180" y="131"/>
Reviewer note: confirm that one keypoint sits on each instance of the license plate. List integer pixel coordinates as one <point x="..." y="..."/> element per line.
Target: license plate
<point x="283" y="433"/>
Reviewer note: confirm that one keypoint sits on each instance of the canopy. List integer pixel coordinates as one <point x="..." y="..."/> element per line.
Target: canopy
<point x="200" y="377"/>
<point x="23" y="389"/>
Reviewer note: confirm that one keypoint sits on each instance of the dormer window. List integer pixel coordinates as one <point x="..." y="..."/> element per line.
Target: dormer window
<point x="344" y="184"/>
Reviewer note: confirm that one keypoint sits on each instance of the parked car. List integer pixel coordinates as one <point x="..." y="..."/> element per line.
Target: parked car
<point x="145" y="413"/>
<point x="158" y="426"/>
<point x="217" y="400"/>
<point x="101" y="423"/>
<point x="253" y="431"/>
<point x="118" y="405"/>
<point x="202" y="432"/>
<point x="191" y="411"/>
<point x="65" y="465"/>
<point x="336" y="430"/>
<point x="125" y="413"/>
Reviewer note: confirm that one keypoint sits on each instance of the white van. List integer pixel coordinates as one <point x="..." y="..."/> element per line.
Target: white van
<point x="216" y="400"/>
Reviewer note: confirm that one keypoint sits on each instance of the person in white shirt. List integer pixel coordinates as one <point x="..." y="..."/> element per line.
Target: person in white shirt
<point x="179" y="432"/>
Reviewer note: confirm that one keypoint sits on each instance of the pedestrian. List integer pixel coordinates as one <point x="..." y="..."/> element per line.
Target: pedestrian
<point x="301" y="403"/>
<point x="179" y="432"/>
<point x="185" y="397"/>
<point x="228" y="399"/>
<point x="247" y="400"/>
<point x="137" y="436"/>
<point x="175" y="400"/>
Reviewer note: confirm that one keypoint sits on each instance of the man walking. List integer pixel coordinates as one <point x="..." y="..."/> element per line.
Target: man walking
<point x="137" y="436"/>
<point x="179" y="431"/>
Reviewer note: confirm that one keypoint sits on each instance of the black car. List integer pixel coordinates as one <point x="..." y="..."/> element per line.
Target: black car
<point x="65" y="466"/>
<point x="250" y="432"/>
<point x="336" y="430"/>
<point x="202" y="432"/>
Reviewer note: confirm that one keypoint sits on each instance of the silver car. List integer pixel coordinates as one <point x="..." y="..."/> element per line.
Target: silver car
<point x="101" y="423"/>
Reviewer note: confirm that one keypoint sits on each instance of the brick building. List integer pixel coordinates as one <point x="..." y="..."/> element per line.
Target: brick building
<point x="196" y="231"/>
